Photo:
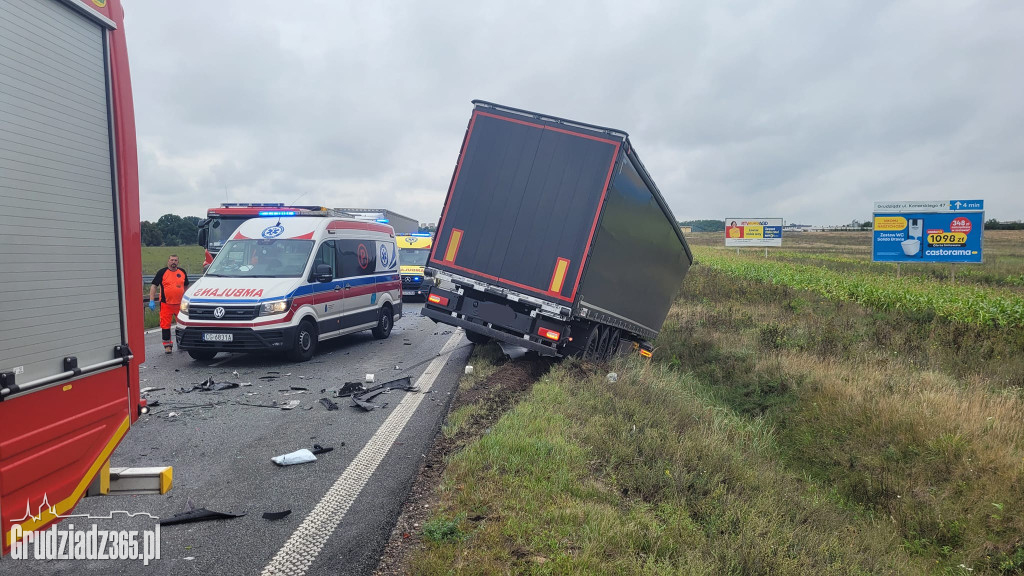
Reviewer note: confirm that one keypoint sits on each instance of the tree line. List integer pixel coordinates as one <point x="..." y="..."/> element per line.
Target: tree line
<point x="170" y="230"/>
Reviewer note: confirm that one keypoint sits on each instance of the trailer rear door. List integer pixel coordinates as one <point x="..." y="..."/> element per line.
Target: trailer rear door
<point x="524" y="203"/>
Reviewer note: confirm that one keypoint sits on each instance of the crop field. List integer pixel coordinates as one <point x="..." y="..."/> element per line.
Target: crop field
<point x="808" y="413"/>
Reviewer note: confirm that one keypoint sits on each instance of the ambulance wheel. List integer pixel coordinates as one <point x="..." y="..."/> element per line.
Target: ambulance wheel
<point x="202" y="355"/>
<point x="305" y="342"/>
<point x="593" y="341"/>
<point x="477" y="338"/>
<point x="385" y="321"/>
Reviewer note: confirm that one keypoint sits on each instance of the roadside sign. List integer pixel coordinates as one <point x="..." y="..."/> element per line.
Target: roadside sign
<point x="948" y="231"/>
<point x="753" y="232"/>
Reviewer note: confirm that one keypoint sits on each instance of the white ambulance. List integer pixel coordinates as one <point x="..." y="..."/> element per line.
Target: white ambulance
<point x="286" y="283"/>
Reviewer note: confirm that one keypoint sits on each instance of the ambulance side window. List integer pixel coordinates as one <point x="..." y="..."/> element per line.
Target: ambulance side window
<point x="356" y="257"/>
<point x="327" y="254"/>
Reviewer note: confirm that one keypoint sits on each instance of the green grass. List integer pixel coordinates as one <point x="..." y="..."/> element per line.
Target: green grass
<point x="189" y="257"/>
<point x="779" y="430"/>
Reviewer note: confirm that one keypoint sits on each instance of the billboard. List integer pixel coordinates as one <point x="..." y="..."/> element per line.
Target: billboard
<point x="928" y="231"/>
<point x="753" y="232"/>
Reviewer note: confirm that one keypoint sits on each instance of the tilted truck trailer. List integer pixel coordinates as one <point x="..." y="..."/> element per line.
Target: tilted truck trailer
<point x="555" y="238"/>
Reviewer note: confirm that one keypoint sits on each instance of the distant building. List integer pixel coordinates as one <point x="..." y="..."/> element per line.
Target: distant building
<point x="686" y="229"/>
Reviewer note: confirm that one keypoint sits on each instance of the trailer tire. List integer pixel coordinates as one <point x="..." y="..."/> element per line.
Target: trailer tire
<point x="589" y="350"/>
<point x="385" y="322"/>
<point x="477" y="338"/>
<point x="613" y="343"/>
<point x="202" y="355"/>
<point x="602" y="344"/>
<point x="305" y="342"/>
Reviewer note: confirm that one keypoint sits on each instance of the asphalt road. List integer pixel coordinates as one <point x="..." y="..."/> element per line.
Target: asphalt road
<point x="343" y="506"/>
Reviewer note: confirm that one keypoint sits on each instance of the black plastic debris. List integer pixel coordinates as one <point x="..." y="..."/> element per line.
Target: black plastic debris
<point x="318" y="449"/>
<point x="364" y="400"/>
<point x="209" y="385"/>
<point x="299" y="388"/>
<point x="350" y="388"/>
<point x="328" y="404"/>
<point x="276" y="515"/>
<point x="197" y="515"/>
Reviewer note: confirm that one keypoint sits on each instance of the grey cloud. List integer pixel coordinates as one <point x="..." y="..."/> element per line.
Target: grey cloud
<point x="806" y="110"/>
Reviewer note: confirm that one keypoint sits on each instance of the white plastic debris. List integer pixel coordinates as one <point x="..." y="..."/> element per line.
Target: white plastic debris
<point x="369" y="378"/>
<point x="613" y="377"/>
<point x="172" y="414"/>
<point x="469" y="369"/>
<point x="289" y="405"/>
<point x="298" y="457"/>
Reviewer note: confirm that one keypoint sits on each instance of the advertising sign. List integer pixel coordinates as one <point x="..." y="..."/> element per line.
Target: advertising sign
<point x="928" y="231"/>
<point x="753" y="232"/>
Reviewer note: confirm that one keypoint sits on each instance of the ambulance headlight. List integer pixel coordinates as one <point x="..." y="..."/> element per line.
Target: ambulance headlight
<point x="184" y="306"/>
<point x="274" y="307"/>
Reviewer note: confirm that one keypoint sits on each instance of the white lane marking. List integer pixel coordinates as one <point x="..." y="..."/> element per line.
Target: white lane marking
<point x="305" y="544"/>
<point x="224" y="361"/>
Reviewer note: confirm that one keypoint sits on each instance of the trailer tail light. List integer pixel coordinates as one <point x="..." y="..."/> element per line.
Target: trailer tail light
<point x="436" y="299"/>
<point x="549" y="334"/>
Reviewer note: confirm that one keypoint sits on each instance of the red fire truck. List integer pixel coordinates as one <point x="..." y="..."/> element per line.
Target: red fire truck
<point x="70" y="251"/>
<point x="222" y="222"/>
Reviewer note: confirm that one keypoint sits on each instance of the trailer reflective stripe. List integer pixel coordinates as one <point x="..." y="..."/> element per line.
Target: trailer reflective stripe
<point x="558" y="278"/>
<point x="453" y="245"/>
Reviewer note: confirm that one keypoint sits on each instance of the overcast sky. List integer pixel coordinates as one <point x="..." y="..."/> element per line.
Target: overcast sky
<point x="805" y="110"/>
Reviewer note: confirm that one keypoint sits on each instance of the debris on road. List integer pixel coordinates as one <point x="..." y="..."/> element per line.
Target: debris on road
<point x="172" y="414"/>
<point x="289" y="405"/>
<point x="328" y="404"/>
<point x="350" y="388"/>
<point x="299" y="388"/>
<point x="276" y="515"/>
<point x="318" y="449"/>
<point x="369" y="379"/>
<point x="363" y="400"/>
<point x="469" y="369"/>
<point x="149" y="389"/>
<point x="197" y="515"/>
<point x="209" y="385"/>
<point x="301" y="456"/>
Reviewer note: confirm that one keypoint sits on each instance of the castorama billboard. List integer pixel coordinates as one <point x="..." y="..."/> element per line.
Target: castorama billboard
<point x="928" y="231"/>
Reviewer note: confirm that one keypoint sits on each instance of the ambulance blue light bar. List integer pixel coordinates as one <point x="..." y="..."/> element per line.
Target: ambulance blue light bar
<point x="278" y="212"/>
<point x="383" y="220"/>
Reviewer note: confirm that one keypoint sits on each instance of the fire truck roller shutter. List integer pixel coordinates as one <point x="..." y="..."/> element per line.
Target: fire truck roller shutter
<point x="58" y="245"/>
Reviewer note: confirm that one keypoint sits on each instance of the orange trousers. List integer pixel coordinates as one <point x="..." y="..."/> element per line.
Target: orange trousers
<point x="167" y="314"/>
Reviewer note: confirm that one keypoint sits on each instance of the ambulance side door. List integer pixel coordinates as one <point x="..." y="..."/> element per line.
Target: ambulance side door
<point x="358" y="264"/>
<point x="328" y="297"/>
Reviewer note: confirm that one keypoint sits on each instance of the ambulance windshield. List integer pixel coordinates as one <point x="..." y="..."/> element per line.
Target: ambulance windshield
<point x="413" y="256"/>
<point x="262" y="258"/>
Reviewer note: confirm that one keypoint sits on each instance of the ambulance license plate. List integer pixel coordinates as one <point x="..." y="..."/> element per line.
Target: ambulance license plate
<point x="208" y="337"/>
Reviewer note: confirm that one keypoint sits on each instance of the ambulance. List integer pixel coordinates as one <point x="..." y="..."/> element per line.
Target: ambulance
<point x="413" y="252"/>
<point x="287" y="283"/>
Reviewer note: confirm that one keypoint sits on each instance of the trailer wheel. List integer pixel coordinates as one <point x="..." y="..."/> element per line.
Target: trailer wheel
<point x="384" y="323"/>
<point x="591" y="347"/>
<point x="613" y="343"/>
<point x="202" y="355"/>
<point x="477" y="338"/>
<point x="602" y="344"/>
<point x="305" y="342"/>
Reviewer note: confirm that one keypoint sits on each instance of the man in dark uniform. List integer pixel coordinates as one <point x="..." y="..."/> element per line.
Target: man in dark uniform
<point x="171" y="281"/>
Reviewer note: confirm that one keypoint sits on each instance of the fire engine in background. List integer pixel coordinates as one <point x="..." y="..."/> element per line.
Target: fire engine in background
<point x="413" y="252"/>
<point x="221" y="222"/>
<point x="70" y="296"/>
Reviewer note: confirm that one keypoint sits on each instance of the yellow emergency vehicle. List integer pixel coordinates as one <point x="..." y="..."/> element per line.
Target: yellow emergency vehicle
<point x="413" y="252"/>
